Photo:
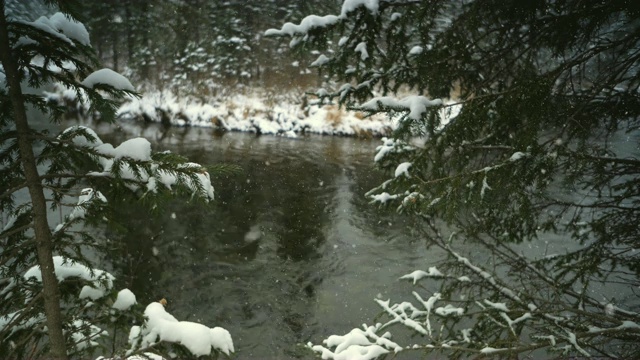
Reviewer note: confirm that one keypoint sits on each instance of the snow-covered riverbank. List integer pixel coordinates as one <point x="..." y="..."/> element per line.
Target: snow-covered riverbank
<point x="248" y="113"/>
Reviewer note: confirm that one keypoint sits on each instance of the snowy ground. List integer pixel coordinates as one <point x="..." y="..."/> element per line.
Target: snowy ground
<point x="248" y="113"/>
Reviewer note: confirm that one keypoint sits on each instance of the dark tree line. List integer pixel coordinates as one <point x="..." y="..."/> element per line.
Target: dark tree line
<point x="195" y="43"/>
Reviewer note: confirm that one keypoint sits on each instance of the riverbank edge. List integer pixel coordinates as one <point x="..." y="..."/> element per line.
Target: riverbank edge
<point x="257" y="112"/>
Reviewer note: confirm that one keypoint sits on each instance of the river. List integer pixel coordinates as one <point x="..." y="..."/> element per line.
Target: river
<point x="291" y="251"/>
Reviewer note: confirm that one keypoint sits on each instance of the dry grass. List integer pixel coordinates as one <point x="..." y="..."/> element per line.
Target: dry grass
<point x="334" y="114"/>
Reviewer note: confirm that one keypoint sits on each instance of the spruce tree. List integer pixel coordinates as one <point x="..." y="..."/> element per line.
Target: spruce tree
<point x="53" y="298"/>
<point x="514" y="120"/>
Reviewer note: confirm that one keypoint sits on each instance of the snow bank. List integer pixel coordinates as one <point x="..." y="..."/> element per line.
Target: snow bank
<point x="261" y="113"/>
<point x="251" y="114"/>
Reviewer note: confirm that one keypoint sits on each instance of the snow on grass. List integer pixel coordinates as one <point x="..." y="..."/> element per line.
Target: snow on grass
<point x="263" y="113"/>
<point x="251" y="114"/>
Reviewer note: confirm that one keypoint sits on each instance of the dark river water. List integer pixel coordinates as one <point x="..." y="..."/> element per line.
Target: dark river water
<point x="291" y="251"/>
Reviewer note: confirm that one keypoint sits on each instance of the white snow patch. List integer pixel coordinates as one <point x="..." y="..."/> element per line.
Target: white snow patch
<point x="254" y="234"/>
<point x="609" y="309"/>
<point x="197" y="338"/>
<point x="416" y="50"/>
<point x="315" y="21"/>
<point x="517" y="156"/>
<point x="497" y="306"/>
<point x="308" y="23"/>
<point x="419" y="274"/>
<point x="72" y="29"/>
<point x="136" y="149"/>
<point x="490" y="350"/>
<point x="403" y="169"/>
<point x="362" y="49"/>
<point x="84" y="334"/>
<point x="351" y="5"/>
<point x="250" y="114"/>
<point x="415" y="104"/>
<point x="390" y="146"/>
<point x="383" y="197"/>
<point x="65" y="268"/>
<point x="62" y="27"/>
<point x="125" y="300"/>
<point x="321" y="60"/>
<point x="87" y="195"/>
<point x="449" y="310"/>
<point x="108" y="77"/>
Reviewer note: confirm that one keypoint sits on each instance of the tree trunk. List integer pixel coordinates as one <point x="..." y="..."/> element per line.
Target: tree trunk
<point x="44" y="244"/>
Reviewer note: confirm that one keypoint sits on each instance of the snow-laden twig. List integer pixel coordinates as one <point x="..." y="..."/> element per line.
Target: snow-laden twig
<point x="428" y="305"/>
<point x="419" y="274"/>
<point x="486" y="276"/>
<point x="162" y="326"/>
<point x="398" y="314"/>
<point x="357" y="344"/>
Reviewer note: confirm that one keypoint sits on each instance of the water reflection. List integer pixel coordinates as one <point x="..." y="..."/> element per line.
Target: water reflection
<point x="290" y="250"/>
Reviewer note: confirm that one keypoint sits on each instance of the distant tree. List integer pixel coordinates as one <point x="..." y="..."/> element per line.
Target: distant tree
<point x="52" y="297"/>
<point x="210" y="43"/>
<point x="517" y="120"/>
